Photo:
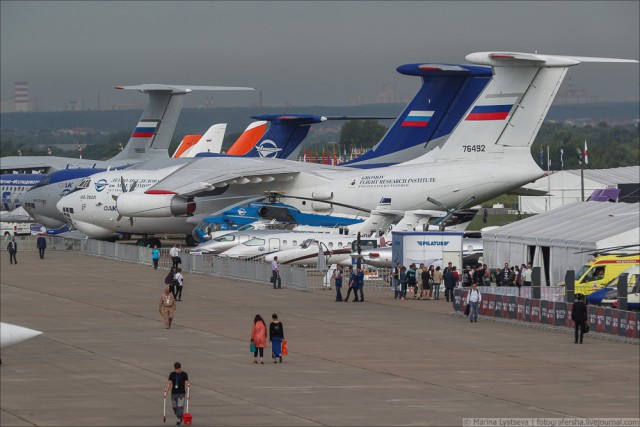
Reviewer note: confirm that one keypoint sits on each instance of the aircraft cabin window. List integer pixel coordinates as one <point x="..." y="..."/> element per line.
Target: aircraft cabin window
<point x="294" y="243"/>
<point x="284" y="243"/>
<point x="330" y="245"/>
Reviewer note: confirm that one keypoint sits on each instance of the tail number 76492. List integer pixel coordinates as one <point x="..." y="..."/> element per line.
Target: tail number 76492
<point x="473" y="148"/>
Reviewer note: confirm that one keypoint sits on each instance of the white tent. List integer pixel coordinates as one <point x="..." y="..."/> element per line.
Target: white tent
<point x="562" y="239"/>
<point x="564" y="186"/>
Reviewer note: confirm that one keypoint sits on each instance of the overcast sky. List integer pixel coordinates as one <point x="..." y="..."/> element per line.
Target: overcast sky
<point x="304" y="53"/>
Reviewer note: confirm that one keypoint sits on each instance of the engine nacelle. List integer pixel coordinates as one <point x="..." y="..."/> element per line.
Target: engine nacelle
<point x="154" y="205"/>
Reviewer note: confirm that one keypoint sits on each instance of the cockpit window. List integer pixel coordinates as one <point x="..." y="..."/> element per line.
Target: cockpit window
<point x="85" y="183"/>
<point x="225" y="238"/>
<point x="306" y="243"/>
<point x="44" y="181"/>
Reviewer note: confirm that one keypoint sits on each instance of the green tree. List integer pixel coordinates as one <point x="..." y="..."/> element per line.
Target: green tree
<point x="361" y="133"/>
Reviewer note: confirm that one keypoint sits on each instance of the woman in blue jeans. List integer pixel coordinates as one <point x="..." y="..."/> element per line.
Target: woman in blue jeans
<point x="473" y="299"/>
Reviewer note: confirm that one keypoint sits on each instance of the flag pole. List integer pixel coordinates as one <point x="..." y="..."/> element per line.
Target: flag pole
<point x="548" y="179"/>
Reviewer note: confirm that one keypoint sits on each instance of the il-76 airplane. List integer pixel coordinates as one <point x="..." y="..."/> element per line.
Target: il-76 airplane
<point x="487" y="154"/>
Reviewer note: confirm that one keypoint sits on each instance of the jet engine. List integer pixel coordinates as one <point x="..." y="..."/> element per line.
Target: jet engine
<point x="154" y="205"/>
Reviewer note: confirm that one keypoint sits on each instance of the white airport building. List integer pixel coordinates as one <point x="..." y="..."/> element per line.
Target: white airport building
<point x="563" y="238"/>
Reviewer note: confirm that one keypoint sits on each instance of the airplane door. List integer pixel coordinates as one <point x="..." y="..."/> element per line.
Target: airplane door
<point x="274" y="245"/>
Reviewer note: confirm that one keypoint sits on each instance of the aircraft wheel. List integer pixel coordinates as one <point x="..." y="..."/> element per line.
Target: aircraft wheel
<point x="141" y="242"/>
<point x="191" y="241"/>
<point x="154" y="241"/>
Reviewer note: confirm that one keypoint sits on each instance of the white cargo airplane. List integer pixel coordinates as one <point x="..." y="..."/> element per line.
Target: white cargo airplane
<point x="488" y="154"/>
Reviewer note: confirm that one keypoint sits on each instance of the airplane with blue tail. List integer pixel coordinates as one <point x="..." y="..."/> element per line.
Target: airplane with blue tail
<point x="235" y="217"/>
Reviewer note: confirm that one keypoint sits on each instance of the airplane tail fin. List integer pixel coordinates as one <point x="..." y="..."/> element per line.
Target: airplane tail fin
<point x="152" y="135"/>
<point x="504" y="121"/>
<point x="210" y="142"/>
<point x="185" y="145"/>
<point x="245" y="142"/>
<point x="286" y="132"/>
<point x="446" y="93"/>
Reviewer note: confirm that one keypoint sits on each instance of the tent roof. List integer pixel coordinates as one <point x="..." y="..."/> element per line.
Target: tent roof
<point x="574" y="225"/>
<point x="613" y="176"/>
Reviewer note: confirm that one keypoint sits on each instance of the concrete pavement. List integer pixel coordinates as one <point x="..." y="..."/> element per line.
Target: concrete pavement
<point x="104" y="357"/>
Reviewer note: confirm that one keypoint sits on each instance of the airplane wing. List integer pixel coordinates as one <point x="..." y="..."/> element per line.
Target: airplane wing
<point x="524" y="191"/>
<point x="206" y="174"/>
<point x="16" y="215"/>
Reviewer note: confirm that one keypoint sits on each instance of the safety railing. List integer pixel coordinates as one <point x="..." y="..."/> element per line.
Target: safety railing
<point x="376" y="279"/>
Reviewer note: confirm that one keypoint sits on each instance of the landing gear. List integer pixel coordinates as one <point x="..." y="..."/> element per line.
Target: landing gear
<point x="149" y="241"/>
<point x="190" y="241"/>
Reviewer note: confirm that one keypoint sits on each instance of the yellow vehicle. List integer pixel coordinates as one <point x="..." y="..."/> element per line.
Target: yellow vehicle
<point x="601" y="270"/>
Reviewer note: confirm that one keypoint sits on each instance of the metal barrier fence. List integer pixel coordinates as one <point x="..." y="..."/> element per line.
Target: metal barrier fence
<point x="260" y="272"/>
<point x="376" y="279"/>
<point x="549" y="293"/>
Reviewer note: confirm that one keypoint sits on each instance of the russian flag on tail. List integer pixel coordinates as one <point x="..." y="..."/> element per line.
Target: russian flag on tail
<point x="489" y="112"/>
<point x="145" y="130"/>
<point x="418" y="118"/>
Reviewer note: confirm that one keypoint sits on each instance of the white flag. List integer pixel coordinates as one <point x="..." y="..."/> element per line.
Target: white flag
<point x="586" y="153"/>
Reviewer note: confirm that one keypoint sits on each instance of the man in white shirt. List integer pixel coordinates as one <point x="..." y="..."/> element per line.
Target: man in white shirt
<point x="174" y="253"/>
<point x="527" y="275"/>
<point x="275" y="274"/>
<point x="473" y="299"/>
<point x="179" y="279"/>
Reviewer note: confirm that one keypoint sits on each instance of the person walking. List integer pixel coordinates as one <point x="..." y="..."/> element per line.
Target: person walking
<point x="171" y="280"/>
<point x="275" y="274"/>
<point x="437" y="280"/>
<point x="41" y="244"/>
<point x="12" y="247"/>
<point x="337" y="276"/>
<point x="259" y="338"/>
<point x="179" y="384"/>
<point x="579" y="316"/>
<point x="155" y="257"/>
<point x="174" y="253"/>
<point x="178" y="279"/>
<point x="474" y="298"/>
<point x="167" y="307"/>
<point x="276" y="336"/>
<point x="353" y="281"/>
<point x="403" y="283"/>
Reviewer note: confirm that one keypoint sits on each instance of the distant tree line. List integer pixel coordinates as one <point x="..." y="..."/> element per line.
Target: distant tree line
<point x="609" y="146"/>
